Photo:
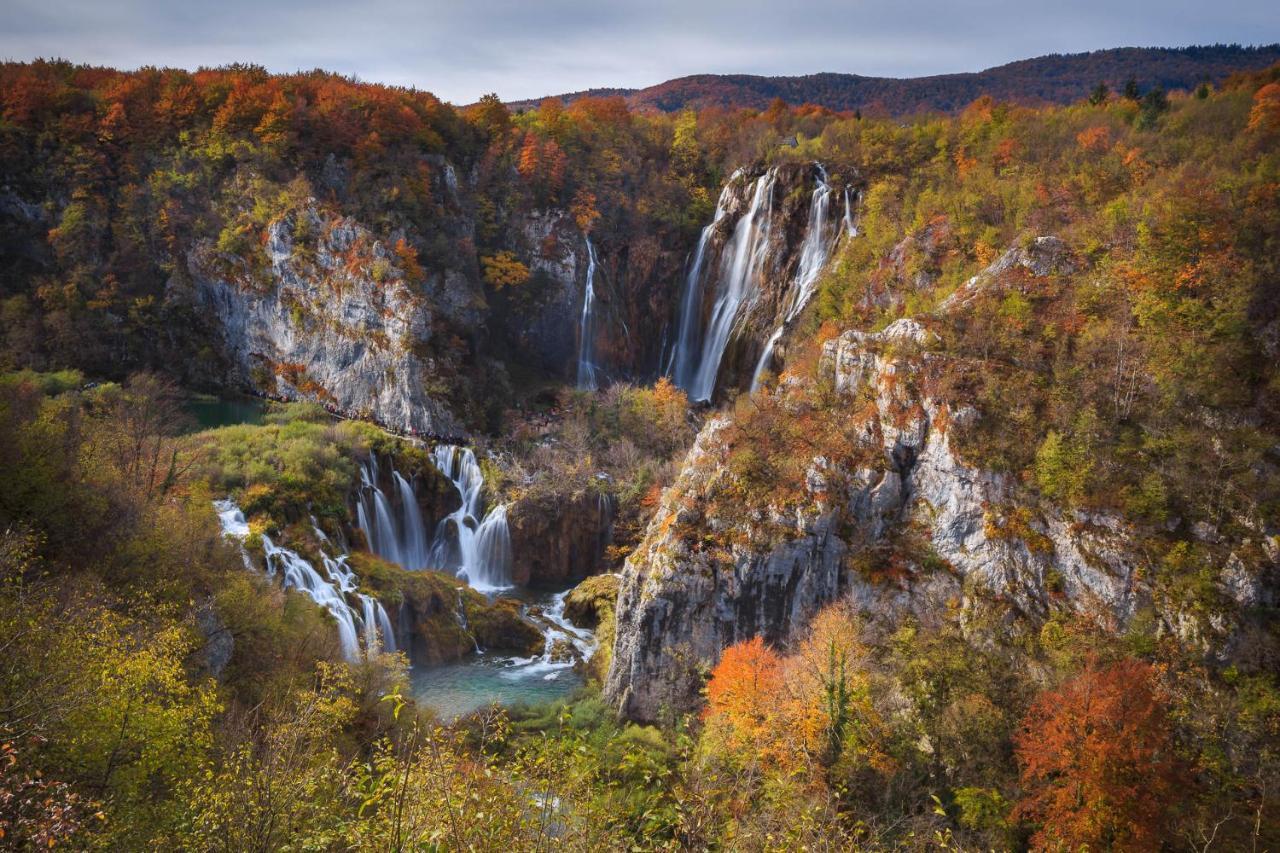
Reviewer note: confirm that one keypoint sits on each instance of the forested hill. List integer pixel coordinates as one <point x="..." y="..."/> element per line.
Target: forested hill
<point x="1055" y="79"/>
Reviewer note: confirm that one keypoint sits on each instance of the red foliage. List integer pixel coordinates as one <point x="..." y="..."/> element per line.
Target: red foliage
<point x="1098" y="764"/>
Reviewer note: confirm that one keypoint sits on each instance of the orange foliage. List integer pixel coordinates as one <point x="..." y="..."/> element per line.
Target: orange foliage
<point x="744" y="690"/>
<point x="1265" y="115"/>
<point x="1098" y="764"/>
<point x="1095" y="139"/>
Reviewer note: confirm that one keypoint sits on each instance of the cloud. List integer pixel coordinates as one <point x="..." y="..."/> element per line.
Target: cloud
<point x="522" y="49"/>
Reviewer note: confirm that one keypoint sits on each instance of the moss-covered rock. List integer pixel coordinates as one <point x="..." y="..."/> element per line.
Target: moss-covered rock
<point x="447" y="619"/>
<point x="591" y="604"/>
<point x="592" y="601"/>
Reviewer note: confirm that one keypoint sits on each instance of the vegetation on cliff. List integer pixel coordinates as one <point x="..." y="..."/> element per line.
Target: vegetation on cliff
<point x="158" y="695"/>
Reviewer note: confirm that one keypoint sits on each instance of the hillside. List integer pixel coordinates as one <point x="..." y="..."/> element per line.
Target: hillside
<point x="617" y="479"/>
<point x="1054" y="79"/>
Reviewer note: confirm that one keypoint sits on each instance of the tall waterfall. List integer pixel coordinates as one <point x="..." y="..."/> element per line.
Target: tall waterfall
<point x="371" y="624"/>
<point x="739" y="281"/>
<point x="395" y="531"/>
<point x="814" y="252"/>
<point x="586" y="330"/>
<point x="477" y="546"/>
<point x="688" y="342"/>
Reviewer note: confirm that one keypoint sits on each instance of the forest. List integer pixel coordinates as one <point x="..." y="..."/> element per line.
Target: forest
<point x="1095" y="285"/>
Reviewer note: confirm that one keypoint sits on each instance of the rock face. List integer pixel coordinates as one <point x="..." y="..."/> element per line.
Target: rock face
<point x="334" y="319"/>
<point x="557" y="538"/>
<point x="681" y="604"/>
<point x="538" y="316"/>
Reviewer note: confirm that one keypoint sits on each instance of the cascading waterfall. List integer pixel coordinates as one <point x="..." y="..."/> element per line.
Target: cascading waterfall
<point x="850" y="229"/>
<point x="371" y="624"/>
<point x="395" y="533"/>
<point x="814" y="251"/>
<point x="688" y="340"/>
<point x="739" y="281"/>
<point x="586" y="330"/>
<point x="475" y="545"/>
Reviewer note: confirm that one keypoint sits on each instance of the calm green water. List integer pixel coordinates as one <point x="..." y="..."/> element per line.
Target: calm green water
<point x="459" y="688"/>
<point x="214" y="412"/>
<point x="456" y="689"/>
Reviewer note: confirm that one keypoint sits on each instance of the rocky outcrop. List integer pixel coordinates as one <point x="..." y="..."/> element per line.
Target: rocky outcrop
<point x="334" y="318"/>
<point x="557" y="538"/>
<point x="681" y="603"/>
<point x="438" y="618"/>
<point x="538" y="316"/>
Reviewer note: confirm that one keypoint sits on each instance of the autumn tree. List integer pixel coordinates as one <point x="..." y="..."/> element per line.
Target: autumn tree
<point x="743" y="693"/>
<point x="1097" y="762"/>
<point x="504" y="269"/>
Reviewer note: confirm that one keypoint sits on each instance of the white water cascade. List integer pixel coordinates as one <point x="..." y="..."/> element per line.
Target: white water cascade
<point x="814" y="252"/>
<point x="688" y="342"/>
<point x="371" y="624"/>
<point x="558" y="630"/>
<point x="739" y="282"/>
<point x="850" y="229"/>
<point x="586" y="330"/>
<point x="473" y="544"/>
<point x="394" y="530"/>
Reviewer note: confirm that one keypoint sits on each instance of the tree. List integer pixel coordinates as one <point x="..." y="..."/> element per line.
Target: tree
<point x="504" y="270"/>
<point x="743" y="693"/>
<point x="1131" y="90"/>
<point x="1099" y="95"/>
<point x="1097" y="762"/>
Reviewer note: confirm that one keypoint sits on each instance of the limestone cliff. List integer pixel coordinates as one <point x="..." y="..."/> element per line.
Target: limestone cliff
<point x="334" y="317"/>
<point x="899" y="523"/>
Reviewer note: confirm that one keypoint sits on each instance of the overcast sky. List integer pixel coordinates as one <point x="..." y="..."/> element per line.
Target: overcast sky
<point x="462" y="49"/>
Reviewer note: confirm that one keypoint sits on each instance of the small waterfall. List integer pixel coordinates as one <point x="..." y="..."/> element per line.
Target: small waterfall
<point x="850" y="229"/>
<point x="395" y="533"/>
<point x="586" y="331"/>
<point x="476" y="546"/>
<point x="372" y="623"/>
<point x="814" y="251"/>
<point x="739" y="282"/>
<point x="688" y="340"/>
<point x="556" y="628"/>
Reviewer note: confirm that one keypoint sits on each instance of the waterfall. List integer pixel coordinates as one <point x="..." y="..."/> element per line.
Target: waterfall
<point x="739" y="280"/>
<point x="475" y="545"/>
<point x="688" y="343"/>
<point x="395" y="533"/>
<point x="850" y="229"/>
<point x="414" y="545"/>
<point x="586" y="330"/>
<point x="814" y="251"/>
<point x="372" y="623"/>
<point x="556" y="629"/>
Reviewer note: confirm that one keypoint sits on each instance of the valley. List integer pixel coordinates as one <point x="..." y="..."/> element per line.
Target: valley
<point x="383" y="474"/>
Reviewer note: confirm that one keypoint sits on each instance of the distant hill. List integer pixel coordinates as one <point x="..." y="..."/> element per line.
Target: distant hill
<point x="1057" y="78"/>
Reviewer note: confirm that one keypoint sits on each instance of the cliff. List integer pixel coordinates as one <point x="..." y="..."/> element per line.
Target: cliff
<point x="334" y="318"/>
<point x="888" y="514"/>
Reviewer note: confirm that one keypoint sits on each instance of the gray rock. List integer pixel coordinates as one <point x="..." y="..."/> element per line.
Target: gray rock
<point x="338" y="324"/>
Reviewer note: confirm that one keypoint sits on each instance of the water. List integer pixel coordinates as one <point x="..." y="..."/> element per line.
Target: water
<point x="475" y="545"/>
<point x="214" y="412"/>
<point x="739" y="281"/>
<point x="369" y="629"/>
<point x="814" y="251"/>
<point x="459" y="688"/>
<point x="394" y="529"/>
<point x="586" y="332"/>
<point x="688" y="339"/>
<point x="850" y="229"/>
